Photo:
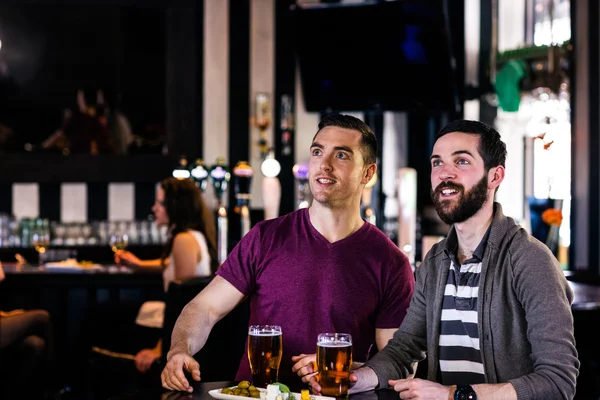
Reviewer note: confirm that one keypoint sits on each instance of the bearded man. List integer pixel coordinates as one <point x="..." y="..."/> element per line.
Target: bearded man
<point x="491" y="307"/>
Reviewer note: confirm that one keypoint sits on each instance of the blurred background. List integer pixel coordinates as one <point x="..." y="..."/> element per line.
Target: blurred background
<point x="100" y="100"/>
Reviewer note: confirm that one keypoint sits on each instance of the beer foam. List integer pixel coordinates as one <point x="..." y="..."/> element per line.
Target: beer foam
<point x="336" y="343"/>
<point x="265" y="333"/>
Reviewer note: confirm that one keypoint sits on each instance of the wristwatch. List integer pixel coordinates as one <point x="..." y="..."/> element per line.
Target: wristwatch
<point x="464" y="392"/>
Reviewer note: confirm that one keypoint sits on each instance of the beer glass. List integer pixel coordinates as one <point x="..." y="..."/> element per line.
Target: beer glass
<point x="264" y="353"/>
<point x="334" y="360"/>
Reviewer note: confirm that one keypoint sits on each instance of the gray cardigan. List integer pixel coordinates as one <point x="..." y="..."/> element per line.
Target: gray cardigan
<point x="524" y="317"/>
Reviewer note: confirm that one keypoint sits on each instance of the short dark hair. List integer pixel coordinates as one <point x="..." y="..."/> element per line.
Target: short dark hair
<point x="491" y="147"/>
<point x="368" y="138"/>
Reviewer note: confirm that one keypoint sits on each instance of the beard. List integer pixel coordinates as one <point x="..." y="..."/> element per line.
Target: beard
<point x="467" y="204"/>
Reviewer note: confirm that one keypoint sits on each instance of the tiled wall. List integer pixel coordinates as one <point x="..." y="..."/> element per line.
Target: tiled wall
<point x="78" y="202"/>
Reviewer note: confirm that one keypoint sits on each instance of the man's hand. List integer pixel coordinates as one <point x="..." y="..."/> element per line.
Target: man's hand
<point x="367" y="377"/>
<point x="306" y="367"/>
<point x="172" y="376"/>
<point x="419" y="389"/>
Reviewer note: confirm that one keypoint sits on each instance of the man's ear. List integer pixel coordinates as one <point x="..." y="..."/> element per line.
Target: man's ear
<point x="495" y="176"/>
<point x="368" y="174"/>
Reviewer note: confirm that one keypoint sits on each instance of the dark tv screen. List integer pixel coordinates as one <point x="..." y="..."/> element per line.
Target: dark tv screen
<point x="390" y="55"/>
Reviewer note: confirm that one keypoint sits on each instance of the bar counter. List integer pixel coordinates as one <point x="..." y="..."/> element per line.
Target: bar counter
<point x="105" y="275"/>
<point x="586" y="291"/>
<point x="72" y="298"/>
<point x="201" y="390"/>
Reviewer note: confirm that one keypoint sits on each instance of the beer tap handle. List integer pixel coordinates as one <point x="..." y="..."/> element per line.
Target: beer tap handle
<point x="271" y="187"/>
<point x="219" y="176"/>
<point x="222" y="229"/>
<point x="300" y="171"/>
<point x="245" y="214"/>
<point x="243" y="173"/>
<point x="271" y="191"/>
<point x="407" y="212"/>
<point x="367" y="196"/>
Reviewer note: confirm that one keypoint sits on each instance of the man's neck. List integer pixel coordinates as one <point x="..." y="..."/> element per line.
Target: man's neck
<point x="335" y="223"/>
<point x="470" y="232"/>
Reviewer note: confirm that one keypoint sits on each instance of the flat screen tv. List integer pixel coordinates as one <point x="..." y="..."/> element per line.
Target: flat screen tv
<point x="392" y="55"/>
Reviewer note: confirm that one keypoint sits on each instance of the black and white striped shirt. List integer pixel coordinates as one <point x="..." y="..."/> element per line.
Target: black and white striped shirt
<point x="460" y="355"/>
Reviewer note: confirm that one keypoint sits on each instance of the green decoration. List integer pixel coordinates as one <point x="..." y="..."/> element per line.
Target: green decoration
<point x="507" y="84"/>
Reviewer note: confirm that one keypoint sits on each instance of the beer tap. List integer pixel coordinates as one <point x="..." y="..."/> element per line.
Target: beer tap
<point x="262" y="120"/>
<point x="300" y="171"/>
<point x="366" y="197"/>
<point x="199" y="174"/>
<point x="287" y="124"/>
<point x="407" y="212"/>
<point x="243" y="173"/>
<point x="181" y="170"/>
<point x="219" y="176"/>
<point x="271" y="187"/>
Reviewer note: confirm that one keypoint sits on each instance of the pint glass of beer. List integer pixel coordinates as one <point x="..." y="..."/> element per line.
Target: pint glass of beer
<point x="334" y="360"/>
<point x="264" y="353"/>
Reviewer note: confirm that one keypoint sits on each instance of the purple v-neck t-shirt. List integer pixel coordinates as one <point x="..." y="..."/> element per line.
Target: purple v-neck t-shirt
<point x="296" y="279"/>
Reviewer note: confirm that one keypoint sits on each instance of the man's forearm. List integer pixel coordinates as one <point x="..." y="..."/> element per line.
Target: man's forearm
<point x="367" y="380"/>
<point x="487" y="391"/>
<point x="356" y="365"/>
<point x="498" y="391"/>
<point x="191" y="330"/>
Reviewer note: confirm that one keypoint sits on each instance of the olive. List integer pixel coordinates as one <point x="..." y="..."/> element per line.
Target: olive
<point x="244" y="385"/>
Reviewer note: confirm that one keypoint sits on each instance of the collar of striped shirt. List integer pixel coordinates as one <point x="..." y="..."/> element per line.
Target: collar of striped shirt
<point x="451" y="246"/>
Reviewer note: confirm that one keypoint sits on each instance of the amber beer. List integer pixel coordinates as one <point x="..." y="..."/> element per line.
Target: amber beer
<point x="334" y="360"/>
<point x="264" y="353"/>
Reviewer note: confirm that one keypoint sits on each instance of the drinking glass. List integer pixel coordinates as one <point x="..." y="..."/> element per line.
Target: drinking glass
<point x="334" y="360"/>
<point x="118" y="241"/>
<point x="265" y="349"/>
<point x="40" y="239"/>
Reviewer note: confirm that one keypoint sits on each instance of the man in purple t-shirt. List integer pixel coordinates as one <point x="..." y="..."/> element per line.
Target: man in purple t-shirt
<point x="321" y="269"/>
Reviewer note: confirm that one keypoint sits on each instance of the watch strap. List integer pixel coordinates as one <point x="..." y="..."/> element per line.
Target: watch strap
<point x="464" y="392"/>
<point x="452" y="392"/>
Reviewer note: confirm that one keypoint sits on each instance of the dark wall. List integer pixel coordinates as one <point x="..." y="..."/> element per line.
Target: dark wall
<point x="184" y="57"/>
<point x="49" y="51"/>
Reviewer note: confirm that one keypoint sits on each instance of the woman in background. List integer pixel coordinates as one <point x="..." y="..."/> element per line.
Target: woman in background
<point x="190" y="251"/>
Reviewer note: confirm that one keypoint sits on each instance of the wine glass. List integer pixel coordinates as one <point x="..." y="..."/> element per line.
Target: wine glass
<point x="40" y="239"/>
<point x="118" y="241"/>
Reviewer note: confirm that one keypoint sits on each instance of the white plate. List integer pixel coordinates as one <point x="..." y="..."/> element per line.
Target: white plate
<point x="216" y="393"/>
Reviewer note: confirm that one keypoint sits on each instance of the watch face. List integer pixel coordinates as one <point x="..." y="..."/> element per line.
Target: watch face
<point x="465" y="392"/>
